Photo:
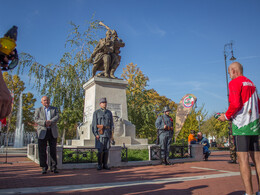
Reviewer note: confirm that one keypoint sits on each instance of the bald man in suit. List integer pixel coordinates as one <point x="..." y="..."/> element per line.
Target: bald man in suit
<point x="47" y="117"/>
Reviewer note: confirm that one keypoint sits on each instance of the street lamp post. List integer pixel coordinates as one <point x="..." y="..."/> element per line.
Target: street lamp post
<point x="228" y="49"/>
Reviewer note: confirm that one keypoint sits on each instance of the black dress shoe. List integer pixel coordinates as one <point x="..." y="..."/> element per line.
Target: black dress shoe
<point x="163" y="162"/>
<point x="168" y="163"/>
<point x="54" y="171"/>
<point x="44" y="170"/>
<point x="99" y="167"/>
<point x="106" y="167"/>
<point x="232" y="161"/>
<point x="113" y="142"/>
<point x="252" y="164"/>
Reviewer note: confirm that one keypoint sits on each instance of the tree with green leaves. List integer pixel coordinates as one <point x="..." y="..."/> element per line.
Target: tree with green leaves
<point x="63" y="82"/>
<point x="192" y="123"/>
<point x="16" y="86"/>
<point x="216" y="128"/>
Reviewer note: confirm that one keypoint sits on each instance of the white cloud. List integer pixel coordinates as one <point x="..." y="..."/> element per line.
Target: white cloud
<point x="196" y="85"/>
<point x="36" y="12"/>
<point x="130" y="29"/>
<point x="155" y="29"/>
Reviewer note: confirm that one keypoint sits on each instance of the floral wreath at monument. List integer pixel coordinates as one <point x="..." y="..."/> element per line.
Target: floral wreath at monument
<point x="188" y="101"/>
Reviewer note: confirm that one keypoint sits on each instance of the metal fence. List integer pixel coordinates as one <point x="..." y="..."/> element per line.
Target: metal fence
<point x="155" y="152"/>
<point x="124" y="156"/>
<point x="177" y="151"/>
<point x="28" y="138"/>
<point x="89" y="155"/>
<point x="85" y="155"/>
<point x="180" y="152"/>
<point x="79" y="155"/>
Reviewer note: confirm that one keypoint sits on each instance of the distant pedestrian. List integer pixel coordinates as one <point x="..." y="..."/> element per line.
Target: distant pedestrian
<point x="191" y="138"/>
<point x="204" y="141"/>
<point x="243" y="110"/>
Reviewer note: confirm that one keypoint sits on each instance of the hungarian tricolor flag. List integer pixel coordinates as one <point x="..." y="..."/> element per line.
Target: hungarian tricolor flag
<point x="244" y="107"/>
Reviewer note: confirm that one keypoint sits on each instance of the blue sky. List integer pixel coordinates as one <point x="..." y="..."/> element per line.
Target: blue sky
<point x="179" y="45"/>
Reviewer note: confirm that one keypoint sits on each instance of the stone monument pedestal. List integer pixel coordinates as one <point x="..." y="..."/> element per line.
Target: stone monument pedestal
<point x="115" y="92"/>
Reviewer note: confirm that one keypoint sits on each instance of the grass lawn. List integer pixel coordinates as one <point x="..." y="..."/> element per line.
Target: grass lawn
<point x="137" y="155"/>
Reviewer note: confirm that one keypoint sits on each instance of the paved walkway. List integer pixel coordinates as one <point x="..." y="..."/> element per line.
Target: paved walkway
<point x="215" y="176"/>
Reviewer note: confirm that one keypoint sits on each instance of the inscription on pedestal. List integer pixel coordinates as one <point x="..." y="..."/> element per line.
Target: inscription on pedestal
<point x="115" y="107"/>
<point x="88" y="113"/>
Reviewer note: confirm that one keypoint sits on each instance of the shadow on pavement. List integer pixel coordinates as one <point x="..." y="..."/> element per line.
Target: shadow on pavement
<point x="153" y="189"/>
<point x="236" y="193"/>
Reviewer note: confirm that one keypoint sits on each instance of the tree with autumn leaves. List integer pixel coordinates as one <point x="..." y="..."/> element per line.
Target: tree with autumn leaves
<point x="192" y="123"/>
<point x="145" y="105"/>
<point x="215" y="128"/>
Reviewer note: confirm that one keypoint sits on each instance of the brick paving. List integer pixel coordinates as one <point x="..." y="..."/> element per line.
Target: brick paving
<point x="215" y="176"/>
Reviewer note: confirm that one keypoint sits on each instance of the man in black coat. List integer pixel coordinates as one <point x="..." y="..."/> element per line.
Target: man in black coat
<point x="164" y="124"/>
<point x="102" y="125"/>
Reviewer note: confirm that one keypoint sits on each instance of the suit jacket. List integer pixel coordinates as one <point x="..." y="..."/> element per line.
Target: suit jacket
<point x="40" y="119"/>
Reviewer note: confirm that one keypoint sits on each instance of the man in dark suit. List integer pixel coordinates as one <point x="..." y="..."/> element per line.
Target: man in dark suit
<point x="47" y="117"/>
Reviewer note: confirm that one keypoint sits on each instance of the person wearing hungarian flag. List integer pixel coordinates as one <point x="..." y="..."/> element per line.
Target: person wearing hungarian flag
<point x="244" y="111"/>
